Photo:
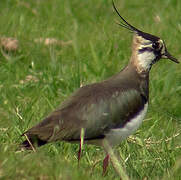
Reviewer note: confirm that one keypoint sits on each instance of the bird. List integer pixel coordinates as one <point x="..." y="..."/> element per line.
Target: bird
<point x="107" y="112"/>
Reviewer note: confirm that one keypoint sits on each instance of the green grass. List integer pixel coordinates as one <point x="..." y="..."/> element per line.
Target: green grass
<point x="97" y="49"/>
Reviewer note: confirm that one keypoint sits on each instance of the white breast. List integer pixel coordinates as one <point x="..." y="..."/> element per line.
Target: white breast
<point x="115" y="136"/>
<point x="145" y="59"/>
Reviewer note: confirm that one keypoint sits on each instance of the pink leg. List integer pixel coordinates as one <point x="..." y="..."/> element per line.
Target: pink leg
<point x="82" y="133"/>
<point x="105" y="164"/>
<point x="79" y="154"/>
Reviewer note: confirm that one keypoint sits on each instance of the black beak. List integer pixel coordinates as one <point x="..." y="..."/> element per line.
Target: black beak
<point x="167" y="55"/>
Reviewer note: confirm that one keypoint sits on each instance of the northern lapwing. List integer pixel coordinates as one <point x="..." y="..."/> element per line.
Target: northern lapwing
<point x="106" y="112"/>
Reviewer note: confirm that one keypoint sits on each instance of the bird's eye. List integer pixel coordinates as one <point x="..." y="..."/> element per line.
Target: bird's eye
<point x="155" y="45"/>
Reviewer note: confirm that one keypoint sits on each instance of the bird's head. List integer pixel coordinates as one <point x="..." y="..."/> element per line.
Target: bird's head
<point x="147" y="49"/>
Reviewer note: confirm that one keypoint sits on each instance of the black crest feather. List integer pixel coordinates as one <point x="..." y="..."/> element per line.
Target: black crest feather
<point x="125" y="24"/>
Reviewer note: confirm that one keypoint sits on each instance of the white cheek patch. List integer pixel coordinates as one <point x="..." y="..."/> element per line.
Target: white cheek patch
<point x="145" y="60"/>
<point x="163" y="50"/>
<point x="145" y="46"/>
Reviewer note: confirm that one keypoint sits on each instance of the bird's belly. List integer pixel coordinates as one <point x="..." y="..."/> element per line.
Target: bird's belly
<point x="115" y="136"/>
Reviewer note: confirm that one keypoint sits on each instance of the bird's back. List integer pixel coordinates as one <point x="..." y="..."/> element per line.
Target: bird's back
<point x="97" y="107"/>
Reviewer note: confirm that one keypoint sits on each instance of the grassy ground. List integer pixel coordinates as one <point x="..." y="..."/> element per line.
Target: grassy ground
<point x="35" y="79"/>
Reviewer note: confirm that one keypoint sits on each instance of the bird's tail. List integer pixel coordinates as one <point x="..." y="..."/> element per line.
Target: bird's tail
<point x="31" y="142"/>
